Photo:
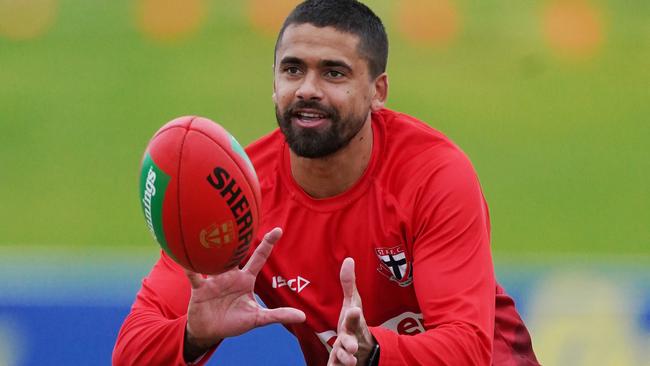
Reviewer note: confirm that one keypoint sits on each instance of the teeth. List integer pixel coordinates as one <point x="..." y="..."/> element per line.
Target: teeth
<point x="311" y="115"/>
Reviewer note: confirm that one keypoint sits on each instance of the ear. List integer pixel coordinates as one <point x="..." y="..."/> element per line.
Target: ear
<point x="380" y="92"/>
<point x="273" y="96"/>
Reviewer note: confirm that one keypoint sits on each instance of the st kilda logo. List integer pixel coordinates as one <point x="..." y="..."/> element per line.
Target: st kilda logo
<point x="394" y="264"/>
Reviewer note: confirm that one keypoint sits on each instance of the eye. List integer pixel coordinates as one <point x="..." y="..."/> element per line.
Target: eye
<point x="291" y="70"/>
<point x="334" y="74"/>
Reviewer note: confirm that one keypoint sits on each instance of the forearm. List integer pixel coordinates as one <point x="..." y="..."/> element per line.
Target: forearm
<point x="451" y="344"/>
<point x="154" y="331"/>
<point x="147" y="338"/>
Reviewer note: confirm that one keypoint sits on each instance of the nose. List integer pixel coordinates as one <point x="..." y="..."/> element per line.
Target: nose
<point x="309" y="88"/>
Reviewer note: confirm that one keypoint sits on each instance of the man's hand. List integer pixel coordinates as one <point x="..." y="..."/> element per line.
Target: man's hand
<point x="224" y="305"/>
<point x="354" y="341"/>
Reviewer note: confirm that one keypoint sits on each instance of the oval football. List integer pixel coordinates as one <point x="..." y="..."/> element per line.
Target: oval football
<point x="200" y="195"/>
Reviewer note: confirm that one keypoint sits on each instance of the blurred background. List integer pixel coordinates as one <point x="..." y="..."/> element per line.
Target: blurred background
<point x="549" y="98"/>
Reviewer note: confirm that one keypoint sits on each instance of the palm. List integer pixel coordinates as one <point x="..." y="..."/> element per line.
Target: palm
<point x="224" y="305"/>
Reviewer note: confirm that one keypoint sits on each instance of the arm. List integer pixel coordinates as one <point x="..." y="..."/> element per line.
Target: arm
<point x="174" y="320"/>
<point x="453" y="276"/>
<point x="453" y="273"/>
<point x="153" y="332"/>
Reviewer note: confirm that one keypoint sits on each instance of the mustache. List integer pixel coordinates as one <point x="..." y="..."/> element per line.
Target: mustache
<point x="311" y="104"/>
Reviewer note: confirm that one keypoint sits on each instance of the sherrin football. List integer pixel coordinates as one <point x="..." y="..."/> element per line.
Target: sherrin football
<point x="200" y="195"/>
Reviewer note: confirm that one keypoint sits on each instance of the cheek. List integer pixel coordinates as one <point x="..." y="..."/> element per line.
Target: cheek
<point x="343" y="99"/>
<point x="356" y="101"/>
<point x="282" y="96"/>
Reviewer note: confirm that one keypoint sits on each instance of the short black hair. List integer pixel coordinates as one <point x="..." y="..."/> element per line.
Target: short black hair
<point x="349" y="16"/>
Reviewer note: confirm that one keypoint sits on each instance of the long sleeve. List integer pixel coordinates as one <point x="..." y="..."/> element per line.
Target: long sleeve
<point x="153" y="332"/>
<point x="453" y="273"/>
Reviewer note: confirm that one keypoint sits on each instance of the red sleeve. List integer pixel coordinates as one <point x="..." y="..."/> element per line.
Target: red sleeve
<point x="453" y="273"/>
<point x="153" y="332"/>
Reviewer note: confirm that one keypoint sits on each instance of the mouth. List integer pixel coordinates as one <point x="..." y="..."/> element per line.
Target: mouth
<point x="309" y="118"/>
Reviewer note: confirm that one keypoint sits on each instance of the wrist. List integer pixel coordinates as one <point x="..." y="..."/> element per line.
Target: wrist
<point x="193" y="347"/>
<point x="373" y="358"/>
<point x="366" y="351"/>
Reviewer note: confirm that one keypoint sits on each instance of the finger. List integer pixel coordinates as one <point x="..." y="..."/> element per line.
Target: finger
<point x="348" y="279"/>
<point x="332" y="356"/>
<point x="352" y="320"/>
<point x="349" y="342"/>
<point x="333" y="360"/>
<point x="280" y="315"/>
<point x="345" y="357"/>
<point x="263" y="251"/>
<point x="195" y="279"/>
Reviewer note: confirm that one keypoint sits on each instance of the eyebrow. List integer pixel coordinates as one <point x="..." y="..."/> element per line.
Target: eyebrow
<point x="292" y="60"/>
<point x="335" y="63"/>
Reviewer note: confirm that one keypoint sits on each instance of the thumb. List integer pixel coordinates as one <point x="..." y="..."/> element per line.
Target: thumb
<point x="284" y="315"/>
<point x="348" y="280"/>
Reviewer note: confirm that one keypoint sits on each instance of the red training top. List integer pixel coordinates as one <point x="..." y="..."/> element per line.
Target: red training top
<point x="416" y="224"/>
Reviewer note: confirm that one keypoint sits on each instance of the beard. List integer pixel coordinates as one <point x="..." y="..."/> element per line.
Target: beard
<point x="318" y="142"/>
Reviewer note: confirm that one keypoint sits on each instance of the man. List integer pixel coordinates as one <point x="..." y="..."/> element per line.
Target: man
<point x="388" y="200"/>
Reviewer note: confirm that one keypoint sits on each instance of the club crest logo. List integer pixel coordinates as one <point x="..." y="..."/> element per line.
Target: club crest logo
<point x="394" y="264"/>
<point x="218" y="235"/>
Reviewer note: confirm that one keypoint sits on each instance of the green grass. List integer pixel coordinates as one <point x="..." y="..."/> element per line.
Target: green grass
<point x="561" y="148"/>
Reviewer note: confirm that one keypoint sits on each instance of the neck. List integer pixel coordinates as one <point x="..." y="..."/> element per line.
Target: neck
<point x="335" y="173"/>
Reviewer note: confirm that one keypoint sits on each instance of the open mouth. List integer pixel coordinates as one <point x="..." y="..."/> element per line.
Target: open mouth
<point x="310" y="118"/>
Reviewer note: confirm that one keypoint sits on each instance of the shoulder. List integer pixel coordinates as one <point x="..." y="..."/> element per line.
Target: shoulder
<point x="265" y="154"/>
<point x="265" y="150"/>
<point x="429" y="175"/>
<point x="415" y="152"/>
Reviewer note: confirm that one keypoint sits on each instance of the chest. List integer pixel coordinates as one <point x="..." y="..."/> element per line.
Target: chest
<point x="303" y="270"/>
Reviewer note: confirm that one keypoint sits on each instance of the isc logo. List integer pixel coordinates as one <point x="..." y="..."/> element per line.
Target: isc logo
<point x="295" y="284"/>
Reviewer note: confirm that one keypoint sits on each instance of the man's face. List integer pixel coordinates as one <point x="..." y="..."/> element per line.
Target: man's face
<point x="322" y="89"/>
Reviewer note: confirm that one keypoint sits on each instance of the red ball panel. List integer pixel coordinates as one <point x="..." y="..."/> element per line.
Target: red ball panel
<point x="211" y="202"/>
<point x="225" y="140"/>
<point x="215" y="197"/>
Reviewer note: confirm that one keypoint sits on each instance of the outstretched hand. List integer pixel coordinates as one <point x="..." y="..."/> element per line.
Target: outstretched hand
<point x="223" y="305"/>
<point x="354" y="341"/>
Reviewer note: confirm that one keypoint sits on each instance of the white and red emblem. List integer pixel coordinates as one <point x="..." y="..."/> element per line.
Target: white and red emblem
<point x="394" y="264"/>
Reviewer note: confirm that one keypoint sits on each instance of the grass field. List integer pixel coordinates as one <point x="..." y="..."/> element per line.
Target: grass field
<point x="561" y="146"/>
